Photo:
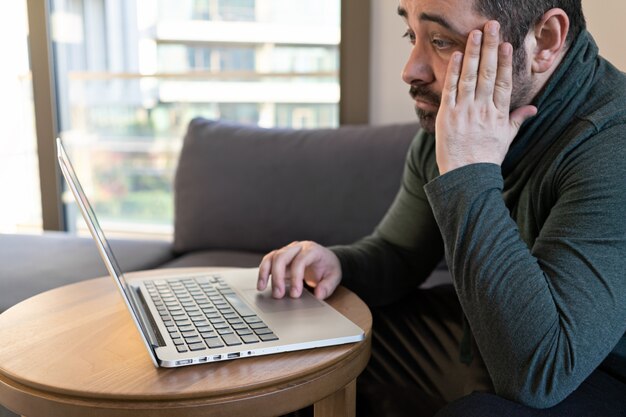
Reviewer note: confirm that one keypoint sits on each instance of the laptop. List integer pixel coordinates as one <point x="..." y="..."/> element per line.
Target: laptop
<point x="186" y="319"/>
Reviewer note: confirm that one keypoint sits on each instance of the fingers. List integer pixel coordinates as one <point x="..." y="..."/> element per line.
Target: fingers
<point x="451" y="84"/>
<point x="503" y="85"/>
<point x="487" y="69"/>
<point x="297" y="263"/>
<point x="274" y="263"/>
<point x="326" y="287"/>
<point x="471" y="61"/>
<point x="520" y="115"/>
<point x="265" y="268"/>
<point x="490" y="64"/>
<point x="279" y="270"/>
<point x="298" y="267"/>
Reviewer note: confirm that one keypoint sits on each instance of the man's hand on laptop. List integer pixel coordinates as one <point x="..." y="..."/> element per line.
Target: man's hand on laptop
<point x="299" y="263"/>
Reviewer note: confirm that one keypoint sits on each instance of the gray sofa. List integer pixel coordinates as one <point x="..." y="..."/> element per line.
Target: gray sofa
<point x="239" y="192"/>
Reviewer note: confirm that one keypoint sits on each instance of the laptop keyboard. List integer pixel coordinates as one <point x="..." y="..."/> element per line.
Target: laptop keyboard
<point x="205" y="313"/>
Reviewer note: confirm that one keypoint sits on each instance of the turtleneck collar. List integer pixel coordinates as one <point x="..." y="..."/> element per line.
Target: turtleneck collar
<point x="557" y="104"/>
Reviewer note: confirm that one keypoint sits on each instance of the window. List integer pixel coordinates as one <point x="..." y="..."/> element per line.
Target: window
<point x="19" y="170"/>
<point x="132" y="74"/>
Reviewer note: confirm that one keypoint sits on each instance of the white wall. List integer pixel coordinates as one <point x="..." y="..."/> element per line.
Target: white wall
<point x="389" y="95"/>
<point x="604" y="20"/>
<point x="389" y="98"/>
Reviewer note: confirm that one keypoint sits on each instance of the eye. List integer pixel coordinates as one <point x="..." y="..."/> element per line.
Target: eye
<point x="440" y="43"/>
<point x="410" y="35"/>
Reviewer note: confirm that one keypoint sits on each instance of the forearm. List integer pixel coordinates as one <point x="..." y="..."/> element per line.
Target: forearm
<point x="535" y="313"/>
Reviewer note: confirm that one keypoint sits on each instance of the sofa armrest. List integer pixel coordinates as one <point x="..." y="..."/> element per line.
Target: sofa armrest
<point x="255" y="189"/>
<point x="30" y="264"/>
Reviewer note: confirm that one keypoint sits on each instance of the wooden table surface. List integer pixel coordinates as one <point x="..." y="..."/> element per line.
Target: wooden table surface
<point x="74" y="351"/>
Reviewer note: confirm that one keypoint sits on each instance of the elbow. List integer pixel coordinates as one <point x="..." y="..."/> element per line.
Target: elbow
<point x="534" y="400"/>
<point x="535" y="395"/>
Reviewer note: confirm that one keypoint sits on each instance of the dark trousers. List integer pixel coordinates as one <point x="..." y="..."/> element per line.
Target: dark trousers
<point x="415" y="369"/>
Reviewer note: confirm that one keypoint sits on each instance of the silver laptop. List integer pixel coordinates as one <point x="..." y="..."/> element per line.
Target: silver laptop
<point x="187" y="319"/>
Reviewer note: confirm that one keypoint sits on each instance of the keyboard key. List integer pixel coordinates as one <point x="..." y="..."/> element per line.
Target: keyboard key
<point x="204" y="313"/>
<point x="268" y="337"/>
<point x="196" y="346"/>
<point x="214" y="343"/>
<point x="231" y="339"/>
<point x="239" y="305"/>
<point x="263" y="330"/>
<point x="249" y="338"/>
<point x="181" y="321"/>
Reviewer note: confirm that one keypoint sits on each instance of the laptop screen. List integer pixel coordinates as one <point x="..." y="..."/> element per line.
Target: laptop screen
<point x="85" y="206"/>
<point x="102" y="243"/>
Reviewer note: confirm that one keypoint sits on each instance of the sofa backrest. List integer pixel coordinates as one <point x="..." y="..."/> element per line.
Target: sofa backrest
<point x="254" y="189"/>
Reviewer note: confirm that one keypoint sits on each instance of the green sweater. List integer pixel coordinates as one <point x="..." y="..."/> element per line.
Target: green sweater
<point x="536" y="247"/>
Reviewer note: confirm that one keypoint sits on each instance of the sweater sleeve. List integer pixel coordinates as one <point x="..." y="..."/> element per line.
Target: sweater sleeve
<point x="406" y="245"/>
<point x="544" y="315"/>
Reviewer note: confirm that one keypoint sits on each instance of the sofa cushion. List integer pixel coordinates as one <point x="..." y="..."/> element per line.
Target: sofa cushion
<point x="30" y="264"/>
<point x="256" y="189"/>
<point x="216" y="258"/>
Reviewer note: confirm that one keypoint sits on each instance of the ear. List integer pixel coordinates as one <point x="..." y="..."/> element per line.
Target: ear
<point x="550" y="34"/>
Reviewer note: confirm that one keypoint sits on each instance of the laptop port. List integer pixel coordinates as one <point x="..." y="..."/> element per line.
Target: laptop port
<point x="233" y="355"/>
<point x="202" y="360"/>
<point x="217" y="357"/>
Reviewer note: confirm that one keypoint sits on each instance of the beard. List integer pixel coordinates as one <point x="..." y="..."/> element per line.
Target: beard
<point x="427" y="119"/>
<point x="520" y="95"/>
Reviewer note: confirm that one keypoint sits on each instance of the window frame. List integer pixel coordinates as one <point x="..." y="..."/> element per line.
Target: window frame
<point x="354" y="79"/>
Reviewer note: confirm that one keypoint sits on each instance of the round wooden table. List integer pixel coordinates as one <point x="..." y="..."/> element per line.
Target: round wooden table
<point x="74" y="351"/>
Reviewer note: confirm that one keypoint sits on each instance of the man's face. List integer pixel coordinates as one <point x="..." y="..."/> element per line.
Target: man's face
<point x="436" y="29"/>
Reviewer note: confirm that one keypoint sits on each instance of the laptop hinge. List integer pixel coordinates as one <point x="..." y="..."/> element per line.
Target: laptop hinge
<point x="145" y="320"/>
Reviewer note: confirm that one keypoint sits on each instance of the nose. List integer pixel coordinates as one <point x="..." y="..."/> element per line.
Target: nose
<point x="418" y="69"/>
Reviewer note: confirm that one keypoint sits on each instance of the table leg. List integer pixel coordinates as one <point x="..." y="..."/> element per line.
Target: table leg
<point x="340" y="404"/>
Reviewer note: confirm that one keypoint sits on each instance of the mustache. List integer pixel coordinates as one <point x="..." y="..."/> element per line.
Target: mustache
<point x="423" y="93"/>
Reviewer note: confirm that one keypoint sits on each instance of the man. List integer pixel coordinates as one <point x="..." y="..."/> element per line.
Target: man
<point x="518" y="177"/>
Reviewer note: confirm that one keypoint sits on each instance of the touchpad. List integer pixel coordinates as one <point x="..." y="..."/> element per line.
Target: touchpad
<point x="268" y="304"/>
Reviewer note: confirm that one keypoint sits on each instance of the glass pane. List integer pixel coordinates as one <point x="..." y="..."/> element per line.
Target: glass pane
<point x="19" y="168"/>
<point x="131" y="75"/>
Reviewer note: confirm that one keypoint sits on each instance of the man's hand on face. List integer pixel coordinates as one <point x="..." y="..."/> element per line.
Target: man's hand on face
<point x="473" y="123"/>
<point x="299" y="263"/>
